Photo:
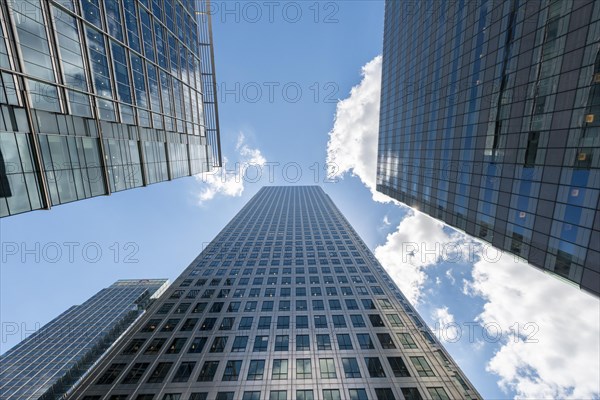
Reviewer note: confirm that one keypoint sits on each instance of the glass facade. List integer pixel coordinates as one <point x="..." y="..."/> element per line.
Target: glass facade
<point x="287" y="302"/>
<point x="99" y="96"/>
<point x="48" y="363"/>
<point x="489" y="121"/>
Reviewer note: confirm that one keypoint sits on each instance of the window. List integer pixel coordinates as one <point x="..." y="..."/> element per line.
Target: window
<point x="282" y="342"/>
<point x="280" y="369"/>
<point x="422" y="366"/>
<point x="182" y="308"/>
<point x="386" y="341"/>
<point x="301" y="305"/>
<point x="394" y="320"/>
<point x="184" y="372"/>
<point x="227" y="324"/>
<point x="165" y="308"/>
<point x="323" y="342"/>
<point x="134" y="346"/>
<point x="135" y="373"/>
<point x="339" y="321"/>
<point x="208" y="324"/>
<point x="357" y="321"/>
<point x="384" y="394"/>
<point x="315" y="291"/>
<point x="260" y="343"/>
<point x="368" y="304"/>
<point x="234" y="306"/>
<point x="358" y="394"/>
<point x="365" y="342"/>
<point x="269" y="292"/>
<point x="208" y="371"/>
<point x="151" y="325"/>
<point x="167" y="396"/>
<point x="351" y="369"/>
<point x="318" y="305"/>
<point x="225" y="396"/>
<point x="198" y="396"/>
<point x="284" y="305"/>
<point x="302" y="342"/>
<point x="189" y="324"/>
<point x="254" y="292"/>
<point x="304" y="395"/>
<point x="155" y="346"/>
<point x="375" y="368"/>
<point x="398" y="366"/>
<point x="283" y="322"/>
<point x="320" y="321"/>
<point x="176" y="346"/>
<point x="344" y="341"/>
<point x="331" y="394"/>
<point x="335" y="305"/>
<point x="351" y="304"/>
<point x="303" y="368"/>
<point x="245" y="323"/>
<point x="376" y="320"/>
<point x="278" y="395"/>
<point x="197" y="345"/>
<point x="264" y="323"/>
<point x="411" y="393"/>
<point x="239" y="344"/>
<point x="199" y="308"/>
<point x="160" y="372"/>
<point x="301" y="322"/>
<point x="218" y="345"/>
<point x="250" y="306"/>
<point x="407" y="341"/>
<point x="256" y="371"/>
<point x="251" y="395"/>
<point x="232" y="370"/>
<point x="327" y="368"/>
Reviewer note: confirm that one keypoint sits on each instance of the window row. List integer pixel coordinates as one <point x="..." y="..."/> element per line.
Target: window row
<point x="266" y="322"/>
<point x="408" y="393"/>
<point x="323" y="342"/>
<point x="325" y="368"/>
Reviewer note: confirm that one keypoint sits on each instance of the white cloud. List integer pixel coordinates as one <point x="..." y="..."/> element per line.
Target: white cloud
<point x="417" y="243"/>
<point x="450" y="276"/>
<point x="229" y="179"/>
<point x="565" y="322"/>
<point x="386" y="220"/>
<point x="446" y="328"/>
<point x="352" y="145"/>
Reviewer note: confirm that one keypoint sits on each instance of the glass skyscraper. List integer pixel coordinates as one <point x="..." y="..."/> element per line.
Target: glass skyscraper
<point x="490" y="119"/>
<point x="102" y="96"/>
<point x="287" y="302"/>
<point x="46" y="364"/>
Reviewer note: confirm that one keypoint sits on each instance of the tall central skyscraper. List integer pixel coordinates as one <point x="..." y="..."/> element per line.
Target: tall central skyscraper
<point x="287" y="302"/>
<point x="98" y="97"/>
<point x="490" y="121"/>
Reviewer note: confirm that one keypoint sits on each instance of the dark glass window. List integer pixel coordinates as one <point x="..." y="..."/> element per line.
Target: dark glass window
<point x="302" y="342"/>
<point x="208" y="371"/>
<point x="303" y="368"/>
<point x="184" y="372"/>
<point x="384" y="394"/>
<point x="358" y="394"/>
<point x="282" y="342"/>
<point x="232" y="370"/>
<point x="375" y="368"/>
<point x="386" y="341"/>
<point x="365" y="342"/>
<point x="256" y="371"/>
<point x="197" y="345"/>
<point x="160" y="372"/>
<point x="351" y="369"/>
<point x="398" y="366"/>
<point x="323" y="342"/>
<point x="239" y="344"/>
<point x="280" y="369"/>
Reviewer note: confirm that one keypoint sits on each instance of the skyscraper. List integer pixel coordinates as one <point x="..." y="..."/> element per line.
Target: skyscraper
<point x="489" y="121"/>
<point x="102" y="96"/>
<point x="287" y="302"/>
<point x="46" y="364"/>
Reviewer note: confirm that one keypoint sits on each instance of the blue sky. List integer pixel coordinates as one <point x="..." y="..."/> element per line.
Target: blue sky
<point x="281" y="72"/>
